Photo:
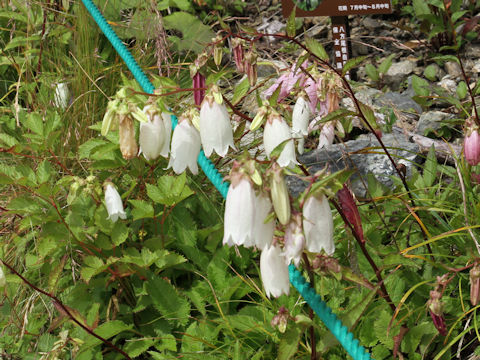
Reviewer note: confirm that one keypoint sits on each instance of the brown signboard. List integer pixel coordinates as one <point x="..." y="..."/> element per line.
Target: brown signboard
<point x="336" y="7"/>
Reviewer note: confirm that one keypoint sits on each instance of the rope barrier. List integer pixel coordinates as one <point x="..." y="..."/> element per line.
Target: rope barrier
<point x="346" y="339"/>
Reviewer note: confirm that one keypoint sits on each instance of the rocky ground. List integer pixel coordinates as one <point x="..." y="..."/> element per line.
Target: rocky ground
<point x="413" y="122"/>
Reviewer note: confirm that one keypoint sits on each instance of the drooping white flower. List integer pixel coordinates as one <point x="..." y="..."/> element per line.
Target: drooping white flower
<point x="152" y="134"/>
<point x="294" y="241"/>
<point x="62" y="95"/>
<point x="274" y="271"/>
<point x="263" y="232"/>
<point x="239" y="216"/>
<point x="318" y="225"/>
<point x="113" y="203"/>
<point x="167" y="123"/>
<point x="215" y="128"/>
<point x="277" y="131"/>
<point x="185" y="147"/>
<point x="300" y="118"/>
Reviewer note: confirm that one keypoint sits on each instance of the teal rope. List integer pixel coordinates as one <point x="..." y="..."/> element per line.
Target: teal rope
<point x="345" y="338"/>
<point x="351" y="345"/>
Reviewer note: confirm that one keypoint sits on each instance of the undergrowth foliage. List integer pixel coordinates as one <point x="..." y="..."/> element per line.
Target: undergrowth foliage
<point x="110" y="254"/>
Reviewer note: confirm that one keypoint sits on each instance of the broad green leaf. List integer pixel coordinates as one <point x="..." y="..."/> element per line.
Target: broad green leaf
<point x="167" y="259"/>
<point x="462" y="90"/>
<point x="44" y="172"/>
<point x="34" y="122"/>
<point x="119" y="233"/>
<point x="141" y="209"/>
<point x="351" y="63"/>
<point x="369" y="115"/>
<point x="430" y="72"/>
<point x="167" y="301"/>
<point x="107" y="330"/>
<point x="372" y="72"/>
<point x="136" y="347"/>
<point x="170" y="190"/>
<point x="421" y="8"/>
<point x="386" y="64"/>
<point x="88" y="147"/>
<point x="289" y="343"/>
<point x="420" y="86"/>
<point x="316" y="48"/>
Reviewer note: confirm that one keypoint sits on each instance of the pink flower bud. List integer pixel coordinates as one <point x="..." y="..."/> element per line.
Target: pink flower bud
<point x="435" y="308"/>
<point x="238" y="54"/>
<point x="198" y="88"/>
<point x="251" y="67"/>
<point x="472" y="147"/>
<point x="350" y="210"/>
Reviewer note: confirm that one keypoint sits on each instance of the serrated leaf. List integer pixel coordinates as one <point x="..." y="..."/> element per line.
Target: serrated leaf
<point x="291" y="28"/>
<point x="289" y="343"/>
<point x="141" y="209"/>
<point x="167" y="259"/>
<point x="34" y="122"/>
<point x="88" y="147"/>
<point x="167" y="301"/>
<point x="351" y="63"/>
<point x="107" y="330"/>
<point x="44" y="172"/>
<point x="316" y="48"/>
<point x="119" y="233"/>
<point x="136" y="347"/>
<point x="170" y="190"/>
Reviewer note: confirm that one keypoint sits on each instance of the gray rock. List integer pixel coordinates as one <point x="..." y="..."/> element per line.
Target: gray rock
<point x="472" y="51"/>
<point x="358" y="155"/>
<point x="371" y="24"/>
<point x="453" y="69"/>
<point x="402" y="102"/>
<point x="476" y="66"/>
<point x="398" y="72"/>
<point x="366" y="95"/>
<point x="431" y="120"/>
<point x="448" y="84"/>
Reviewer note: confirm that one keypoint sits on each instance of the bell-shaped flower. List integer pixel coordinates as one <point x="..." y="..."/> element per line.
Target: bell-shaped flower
<point x="276" y="132"/>
<point x="263" y="231"/>
<point x="239" y="218"/>
<point x="286" y="82"/>
<point x="152" y="134"/>
<point x="126" y="134"/>
<point x="274" y="271"/>
<point x="327" y="135"/>
<point x="215" y="128"/>
<point x="113" y="202"/>
<point x="279" y="194"/>
<point x="62" y="95"/>
<point x="472" y="146"/>
<point x="167" y="123"/>
<point x="185" y="147"/>
<point x="318" y="224"/>
<point x="300" y="119"/>
<point x="294" y="240"/>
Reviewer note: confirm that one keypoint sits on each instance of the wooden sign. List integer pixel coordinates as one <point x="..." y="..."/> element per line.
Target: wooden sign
<point x="336" y="7"/>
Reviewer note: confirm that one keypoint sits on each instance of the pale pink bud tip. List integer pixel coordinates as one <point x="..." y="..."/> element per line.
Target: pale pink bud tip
<point x="472" y="148"/>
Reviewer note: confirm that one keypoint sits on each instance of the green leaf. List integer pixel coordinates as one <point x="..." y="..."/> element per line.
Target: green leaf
<point x="34" y="122"/>
<point x="168" y="259"/>
<point x="170" y="190"/>
<point x="195" y="35"/>
<point x="107" y="330"/>
<point x="421" y="8"/>
<point x="430" y="170"/>
<point x="291" y="28"/>
<point x="88" y="147"/>
<point x="316" y="48"/>
<point x="8" y="140"/>
<point x="240" y="91"/>
<point x="369" y="115"/>
<point x="430" y="72"/>
<point x="462" y="90"/>
<point x="167" y="301"/>
<point x="119" y="233"/>
<point x="141" y="209"/>
<point x="44" y="172"/>
<point x="372" y="72"/>
<point x="386" y="64"/>
<point x="136" y="347"/>
<point x="351" y="63"/>
<point x="289" y="343"/>
<point x="420" y="86"/>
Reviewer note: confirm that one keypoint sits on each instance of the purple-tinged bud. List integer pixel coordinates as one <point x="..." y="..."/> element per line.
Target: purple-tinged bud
<point x="281" y="319"/>
<point x="472" y="146"/>
<point x="475" y="284"/>
<point x="198" y="88"/>
<point x="435" y="308"/>
<point x="350" y="210"/>
<point x="251" y="67"/>
<point x="238" y="54"/>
